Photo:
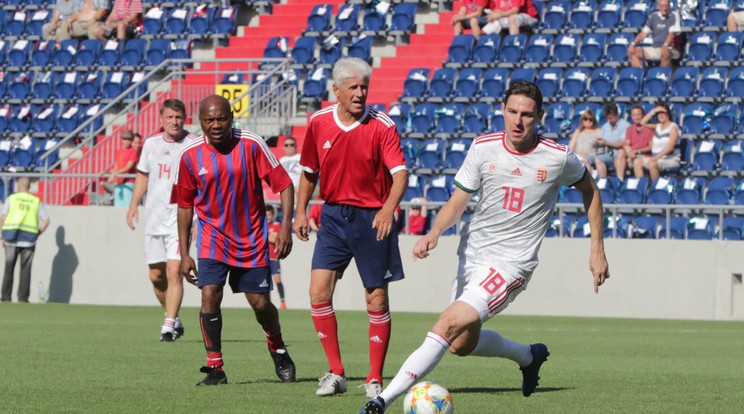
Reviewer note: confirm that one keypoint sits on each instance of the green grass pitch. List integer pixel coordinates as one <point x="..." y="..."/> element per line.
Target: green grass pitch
<point x="100" y="359"/>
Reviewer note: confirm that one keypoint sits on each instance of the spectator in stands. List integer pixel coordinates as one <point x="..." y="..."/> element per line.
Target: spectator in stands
<point x="584" y="141"/>
<point x="291" y="161"/>
<point x="666" y="134"/>
<point x="664" y="26"/>
<point x="735" y="20"/>
<point x="23" y="219"/>
<point x="137" y="143"/>
<point x="120" y="189"/>
<point x="637" y="143"/>
<point x="84" y="21"/>
<point x="63" y="9"/>
<point x="417" y="217"/>
<point x="511" y="14"/>
<point x="612" y="142"/>
<point x="125" y="17"/>
<point x="471" y="16"/>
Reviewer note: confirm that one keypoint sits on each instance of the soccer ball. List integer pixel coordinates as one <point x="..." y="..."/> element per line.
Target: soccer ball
<point x="428" y="398"/>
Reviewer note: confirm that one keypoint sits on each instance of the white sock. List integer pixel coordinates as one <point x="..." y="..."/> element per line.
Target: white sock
<point x="492" y="344"/>
<point x="418" y="364"/>
<point x="168" y="325"/>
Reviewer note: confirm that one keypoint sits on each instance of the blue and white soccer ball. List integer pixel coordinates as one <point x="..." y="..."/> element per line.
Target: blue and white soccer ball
<point x="428" y="398"/>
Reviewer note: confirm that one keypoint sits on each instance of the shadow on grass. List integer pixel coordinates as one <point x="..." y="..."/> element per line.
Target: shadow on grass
<point x="349" y="380"/>
<point x="489" y="390"/>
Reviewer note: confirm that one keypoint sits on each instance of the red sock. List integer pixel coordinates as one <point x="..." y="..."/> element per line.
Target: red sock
<point x="379" y="339"/>
<point x="326" y="328"/>
<point x="214" y="360"/>
<point x="275" y="340"/>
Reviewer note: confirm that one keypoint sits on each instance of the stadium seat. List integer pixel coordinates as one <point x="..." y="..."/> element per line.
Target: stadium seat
<point x="661" y="190"/>
<point x="712" y="82"/>
<point x="571" y="195"/>
<point x="44" y="84"/>
<point x="512" y="49"/>
<point x="609" y="15"/>
<point x="277" y="48"/>
<point x="315" y="87"/>
<point x="644" y="227"/>
<point x="702" y="227"/>
<point x="556" y="15"/>
<point x="557" y="225"/>
<point x="656" y="82"/>
<point x="460" y="50"/>
<point x="728" y="48"/>
<point x="373" y="21"/>
<point x="3" y="84"/>
<point x="690" y="190"/>
<point x="44" y="119"/>
<point x="41" y="54"/>
<point x="735" y="87"/>
<point x="677" y="228"/>
<point x="556" y="115"/>
<point x="20" y="118"/>
<point x="456" y="151"/>
<point x="575" y="82"/>
<point x="739" y="193"/>
<point x="633" y="191"/>
<point x="695" y="121"/>
<point x="732" y="159"/>
<point x="523" y="74"/>
<point x="438" y="188"/>
<point x="496" y="121"/>
<point x="331" y="50"/>
<point x="347" y="19"/>
<point x="133" y="53"/>
<point x="19" y="53"/>
<point x="441" y="83"/>
<point x="177" y="21"/>
<point x="705" y="157"/>
<point x="416" y="84"/>
<point x="319" y="20"/>
<point x="607" y="188"/>
<point x="16" y="24"/>
<point x="113" y="84"/>
<point x="603" y="82"/>
<point x="422" y="120"/>
<point x="494" y="83"/>
<point x="582" y="14"/>
<point x="449" y="119"/>
<point x="157" y="52"/>
<point x="90" y="86"/>
<point x="684" y="82"/>
<point x="223" y="22"/>
<point x="415" y="187"/>
<point x="400" y="114"/>
<point x="486" y="50"/>
<point x="549" y="81"/>
<point x="617" y="47"/>
<point x="88" y="52"/>
<point x="4" y="117"/>
<point x="468" y="84"/>
<point x="4" y="47"/>
<point x="566" y="48"/>
<point x="19" y="85"/>
<point x="403" y="18"/>
<point x="153" y="21"/>
<point x="361" y="48"/>
<point x="303" y="51"/>
<point x="475" y="119"/>
<point x="723" y="121"/>
<point x="65" y="53"/>
<point x="720" y="191"/>
<point x="700" y="47"/>
<point x="66" y="85"/>
<point x="538" y="48"/>
<point x="110" y="53"/>
<point x="201" y="20"/>
<point x="179" y="49"/>
<point x="431" y="155"/>
<point x="635" y="13"/>
<point x="41" y="148"/>
<point x="410" y="151"/>
<point x="592" y="48"/>
<point x="69" y="116"/>
<point x="733" y="227"/>
<point x="629" y="82"/>
<point x="38" y="19"/>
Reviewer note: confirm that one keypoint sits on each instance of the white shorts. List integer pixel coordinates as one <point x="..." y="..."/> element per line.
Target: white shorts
<point x="654" y="53"/>
<point x="159" y="249"/>
<point x="667" y="162"/>
<point x="496" y="26"/>
<point x="486" y="288"/>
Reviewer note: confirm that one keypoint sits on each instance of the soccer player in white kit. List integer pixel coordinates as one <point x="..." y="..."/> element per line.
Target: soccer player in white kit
<point x="156" y="171"/>
<point x="517" y="174"/>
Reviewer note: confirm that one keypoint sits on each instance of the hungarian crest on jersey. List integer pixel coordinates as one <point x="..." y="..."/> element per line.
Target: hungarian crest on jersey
<point x="542" y="174"/>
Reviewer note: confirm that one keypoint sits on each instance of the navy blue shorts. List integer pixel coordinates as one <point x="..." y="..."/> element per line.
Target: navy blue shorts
<point x="482" y="21"/>
<point x="276" y="268"/>
<point x="242" y="279"/>
<point x="347" y="233"/>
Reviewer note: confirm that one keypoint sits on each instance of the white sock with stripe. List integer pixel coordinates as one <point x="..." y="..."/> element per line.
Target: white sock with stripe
<point x="418" y="364"/>
<point x="492" y="344"/>
<point x="168" y="325"/>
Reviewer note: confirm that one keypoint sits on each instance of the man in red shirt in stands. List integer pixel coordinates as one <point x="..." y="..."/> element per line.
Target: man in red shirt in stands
<point x="125" y="162"/>
<point x="512" y="14"/>
<point x="471" y="16"/>
<point x="356" y="150"/>
<point x="220" y="177"/>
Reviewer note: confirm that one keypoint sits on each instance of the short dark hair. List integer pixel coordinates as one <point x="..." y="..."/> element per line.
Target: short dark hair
<point x="270" y="208"/>
<point x="638" y="106"/>
<point x="173" y="104"/>
<point x="611" y="109"/>
<point x="527" y="89"/>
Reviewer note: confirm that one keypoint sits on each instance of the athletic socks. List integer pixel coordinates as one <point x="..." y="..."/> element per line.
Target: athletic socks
<point x="492" y="344"/>
<point x="418" y="364"/>
<point x="168" y="326"/>
<point x="379" y="339"/>
<point x="280" y="289"/>
<point x="214" y="360"/>
<point x="211" y="327"/>
<point x="275" y="340"/>
<point x="326" y="327"/>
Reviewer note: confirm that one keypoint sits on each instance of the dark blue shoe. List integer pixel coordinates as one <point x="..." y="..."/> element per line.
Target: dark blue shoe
<point x="374" y="406"/>
<point x="530" y="372"/>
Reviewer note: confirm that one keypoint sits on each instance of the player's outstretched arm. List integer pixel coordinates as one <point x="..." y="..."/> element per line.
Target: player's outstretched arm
<point x="140" y="188"/>
<point x="187" y="267"/>
<point x="307" y="187"/>
<point x="283" y="241"/>
<point x="593" y="205"/>
<point x="446" y="218"/>
<point x="384" y="218"/>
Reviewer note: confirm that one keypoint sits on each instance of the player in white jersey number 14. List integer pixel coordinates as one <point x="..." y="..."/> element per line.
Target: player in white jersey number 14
<point x="518" y="175"/>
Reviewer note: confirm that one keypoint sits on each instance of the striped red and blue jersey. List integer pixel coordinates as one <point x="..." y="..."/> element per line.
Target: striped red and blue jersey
<point x="226" y="192"/>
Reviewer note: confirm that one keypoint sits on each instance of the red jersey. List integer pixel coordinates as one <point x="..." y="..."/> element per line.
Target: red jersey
<point x="639" y="140"/>
<point x="122" y="157"/>
<point x="525" y="6"/>
<point x="356" y="162"/>
<point x="473" y="5"/>
<point x="226" y="192"/>
<point x="274" y="227"/>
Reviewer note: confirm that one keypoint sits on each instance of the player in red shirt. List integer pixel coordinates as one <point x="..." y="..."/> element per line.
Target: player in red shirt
<point x="276" y="268"/>
<point x="356" y="150"/>
<point x="220" y="176"/>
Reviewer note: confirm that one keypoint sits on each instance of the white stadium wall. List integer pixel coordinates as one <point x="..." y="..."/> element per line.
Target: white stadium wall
<point x="90" y="256"/>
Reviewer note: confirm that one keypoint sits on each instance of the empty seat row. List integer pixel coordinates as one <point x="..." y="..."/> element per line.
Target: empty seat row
<point x="23" y="22"/>
<point x="46" y="120"/>
<point x="382" y="18"/>
<point x="48" y="86"/>
<point x="180" y="21"/>
<point x="313" y="51"/>
<point x="26" y="153"/>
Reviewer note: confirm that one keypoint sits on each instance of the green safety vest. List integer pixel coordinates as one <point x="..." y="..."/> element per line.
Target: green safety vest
<point x="22" y="221"/>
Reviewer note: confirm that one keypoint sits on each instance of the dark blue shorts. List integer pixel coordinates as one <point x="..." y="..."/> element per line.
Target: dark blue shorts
<point x="347" y="233"/>
<point x="276" y="268"/>
<point x="482" y="21"/>
<point x="242" y="279"/>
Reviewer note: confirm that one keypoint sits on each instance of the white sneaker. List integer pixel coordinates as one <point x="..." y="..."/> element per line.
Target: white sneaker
<point x="331" y="384"/>
<point x="372" y="388"/>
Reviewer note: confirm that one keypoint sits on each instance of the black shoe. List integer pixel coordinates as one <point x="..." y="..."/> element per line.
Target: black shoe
<point x="285" y="367"/>
<point x="179" y="331"/>
<point x="215" y="376"/>
<point x="168" y="337"/>
<point x="374" y="406"/>
<point x="530" y="372"/>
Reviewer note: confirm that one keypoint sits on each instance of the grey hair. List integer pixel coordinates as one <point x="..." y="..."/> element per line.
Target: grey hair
<point x="351" y="67"/>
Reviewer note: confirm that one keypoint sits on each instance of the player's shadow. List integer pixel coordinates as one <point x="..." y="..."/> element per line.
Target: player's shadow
<point x="64" y="264"/>
<point x="490" y="390"/>
<point x="310" y="379"/>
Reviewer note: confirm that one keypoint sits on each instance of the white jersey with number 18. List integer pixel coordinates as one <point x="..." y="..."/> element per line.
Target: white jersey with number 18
<point x="159" y="160"/>
<point x="518" y="193"/>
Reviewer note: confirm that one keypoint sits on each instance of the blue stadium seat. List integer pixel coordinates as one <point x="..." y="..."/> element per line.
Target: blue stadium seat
<point x="456" y="151"/>
<point x="636" y="12"/>
<point x="661" y="190"/>
<point x="494" y="83"/>
<point x="629" y="82"/>
<point x="110" y="53"/>
<point x="4" y="47"/>
<point x="315" y="87"/>
<point x="90" y="85"/>
<point x="438" y="188"/>
<point x="38" y="19"/>
<point x="720" y="191"/>
<point x="607" y="188"/>
<point x="415" y="188"/>
<point x="677" y="228"/>
<point x="633" y="191"/>
<point x="431" y="155"/>
<point x="684" y="82"/>
<point x="566" y="48"/>
<point x="373" y="21"/>
<point x="556" y="15"/>
<point x="201" y="20"/>
<point x="575" y="82"/>
<point x="716" y="12"/>
<point x="571" y="195"/>
<point x="19" y="85"/>
<point x="441" y="83"/>
<point x="410" y="149"/>
<point x="20" y="118"/>
<point x="417" y="83"/>
<point x="523" y="74"/>
<point x="460" y="50"/>
<point x="724" y="119"/>
<point x="556" y="225"/>
<point x="133" y="53"/>
<point x="41" y="54"/>
<point x="582" y="14"/>
<point x="320" y="18"/>
<point x="496" y="121"/>
<point x="223" y="22"/>
<point x="695" y="119"/>
<point x="712" y="82"/>
<point x="423" y="120"/>
<point x="4" y="122"/>
<point x="732" y="159"/>
<point x="656" y="82"/>
<point x="303" y="51"/>
<point x="549" y="81"/>
<point x="66" y="85"/>
<point x="617" y="47"/>
<point x="114" y="84"/>
<point x="16" y="23"/>
<point x="538" y="48"/>
<point x="180" y="49"/>
<point x="361" y="48"/>
<point x="331" y="50"/>
<point x="153" y="21"/>
<point x="700" y="47"/>
<point x="739" y="193"/>
<point x="733" y="227"/>
<point x="449" y="119"/>
<point x="65" y="53"/>
<point x="486" y="50"/>
<point x="556" y="115"/>
<point x="702" y="227"/>
<point x="512" y="48"/>
<point x="592" y="48"/>
<point x="609" y="14"/>
<point x="347" y="19"/>
<point x="468" y="84"/>
<point x="44" y="119"/>
<point x="42" y="146"/>
<point x="403" y="18"/>
<point x="603" y="82"/>
<point x="19" y="53"/>
<point x="3" y="85"/>
<point x="177" y="21"/>
<point x="705" y="156"/>
<point x="88" y="52"/>
<point x="728" y="48"/>
<point x="157" y="52"/>
<point x="475" y="119"/>
<point x="276" y="47"/>
<point x="44" y="84"/>
<point x="735" y="87"/>
<point x="69" y="117"/>
<point x="690" y="190"/>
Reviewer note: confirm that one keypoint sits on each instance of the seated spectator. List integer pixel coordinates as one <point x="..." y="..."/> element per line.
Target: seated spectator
<point x="120" y="189"/>
<point x="471" y="16"/>
<point x="735" y="20"/>
<point x="637" y="143"/>
<point x="663" y="143"/>
<point x="611" y="143"/>
<point x="417" y="217"/>
<point x="511" y="14"/>
<point x="137" y="143"/>
<point x="584" y="140"/>
<point x="125" y="17"/>
<point x="63" y="9"/>
<point x="84" y="21"/>
<point x="664" y="27"/>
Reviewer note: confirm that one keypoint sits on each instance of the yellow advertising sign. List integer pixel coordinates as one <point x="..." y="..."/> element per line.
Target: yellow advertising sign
<point x="231" y="92"/>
